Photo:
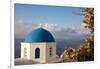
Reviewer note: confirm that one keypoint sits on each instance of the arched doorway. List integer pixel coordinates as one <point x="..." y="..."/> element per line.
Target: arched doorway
<point x="37" y="53"/>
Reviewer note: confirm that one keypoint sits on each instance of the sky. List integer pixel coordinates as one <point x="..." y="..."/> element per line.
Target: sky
<point x="57" y="19"/>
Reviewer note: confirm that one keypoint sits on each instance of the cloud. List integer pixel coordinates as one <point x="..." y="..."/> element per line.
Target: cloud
<point x="22" y="29"/>
<point x="71" y="33"/>
<point x="49" y="27"/>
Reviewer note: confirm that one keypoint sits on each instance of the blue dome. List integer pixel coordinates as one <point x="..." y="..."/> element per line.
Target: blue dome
<point x="39" y="35"/>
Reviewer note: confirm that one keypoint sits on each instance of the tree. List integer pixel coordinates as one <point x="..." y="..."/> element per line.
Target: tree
<point x="89" y="19"/>
<point x="87" y="52"/>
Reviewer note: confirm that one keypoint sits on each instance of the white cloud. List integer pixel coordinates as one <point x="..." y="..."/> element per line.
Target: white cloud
<point x="22" y="29"/>
<point x="49" y="27"/>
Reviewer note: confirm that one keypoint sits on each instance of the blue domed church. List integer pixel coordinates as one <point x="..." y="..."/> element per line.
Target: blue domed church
<point x="39" y="46"/>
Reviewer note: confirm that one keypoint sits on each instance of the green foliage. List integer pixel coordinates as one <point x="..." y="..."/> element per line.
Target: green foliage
<point x="87" y="52"/>
<point x="86" y="55"/>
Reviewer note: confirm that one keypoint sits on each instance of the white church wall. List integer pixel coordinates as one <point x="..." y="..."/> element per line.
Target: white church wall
<point x="27" y="46"/>
<point x="51" y="58"/>
<point x="42" y="47"/>
<point x="44" y="51"/>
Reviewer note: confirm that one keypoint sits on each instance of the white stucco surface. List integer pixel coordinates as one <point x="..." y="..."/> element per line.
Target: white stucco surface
<point x="44" y="52"/>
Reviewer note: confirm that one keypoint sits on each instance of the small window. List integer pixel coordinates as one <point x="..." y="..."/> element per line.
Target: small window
<point x="25" y="52"/>
<point x="50" y="51"/>
<point x="37" y="53"/>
